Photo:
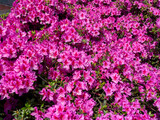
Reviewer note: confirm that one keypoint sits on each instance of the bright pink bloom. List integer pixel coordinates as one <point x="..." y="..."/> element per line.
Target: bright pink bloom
<point x="70" y="87"/>
<point x="90" y="80"/>
<point x="61" y="91"/>
<point x="136" y="104"/>
<point x="53" y="74"/>
<point x="106" y="64"/>
<point x="108" y="91"/>
<point x="82" y="15"/>
<point x="76" y="75"/>
<point x="37" y="114"/>
<point x="47" y="94"/>
<point x="115" y="77"/>
<point x="77" y="91"/>
<point x="86" y="74"/>
<point x="81" y="85"/>
<point x="158" y="22"/>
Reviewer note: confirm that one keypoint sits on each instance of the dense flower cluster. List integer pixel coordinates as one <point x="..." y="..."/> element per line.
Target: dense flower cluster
<point x="92" y="54"/>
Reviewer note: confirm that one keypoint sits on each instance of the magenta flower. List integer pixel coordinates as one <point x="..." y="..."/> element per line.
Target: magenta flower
<point x="158" y="22"/>
<point x="108" y="91"/>
<point x="106" y="64"/>
<point x="1" y="69"/>
<point x="77" y="91"/>
<point x="59" y="108"/>
<point x="82" y="15"/>
<point x="115" y="77"/>
<point x="53" y="74"/>
<point x="61" y="91"/>
<point x="47" y="94"/>
<point x="136" y="104"/>
<point x="76" y="75"/>
<point x="37" y="114"/>
<point x="69" y="86"/>
<point x="2" y="31"/>
<point x="90" y="80"/>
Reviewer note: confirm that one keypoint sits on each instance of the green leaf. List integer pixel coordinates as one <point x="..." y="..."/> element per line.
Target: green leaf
<point x="104" y="107"/>
<point x="23" y="108"/>
<point x="42" y="105"/>
<point x="151" y="114"/>
<point x="90" y="43"/>
<point x="33" y="32"/>
<point x="31" y="109"/>
<point x="84" y="40"/>
<point x="133" y="100"/>
<point x="102" y="84"/>
<point x="27" y="105"/>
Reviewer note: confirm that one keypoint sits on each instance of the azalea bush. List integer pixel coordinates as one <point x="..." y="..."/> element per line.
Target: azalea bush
<point x="80" y="60"/>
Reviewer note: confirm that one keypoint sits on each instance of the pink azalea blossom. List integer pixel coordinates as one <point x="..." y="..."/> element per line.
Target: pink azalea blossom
<point x="158" y="22"/>
<point x="115" y="77"/>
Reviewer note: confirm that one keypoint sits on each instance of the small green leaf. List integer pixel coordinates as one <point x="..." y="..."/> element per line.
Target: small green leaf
<point x="31" y="109"/>
<point x="23" y="108"/>
<point x="90" y="43"/>
<point x="42" y="105"/>
<point x="84" y="40"/>
<point x="151" y="114"/>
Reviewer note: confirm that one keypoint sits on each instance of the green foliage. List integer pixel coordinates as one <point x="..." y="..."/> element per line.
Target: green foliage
<point x="23" y="113"/>
<point x="4" y="16"/>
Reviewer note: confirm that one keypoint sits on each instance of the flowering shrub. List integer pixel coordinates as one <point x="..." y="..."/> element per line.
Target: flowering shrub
<point x="80" y="60"/>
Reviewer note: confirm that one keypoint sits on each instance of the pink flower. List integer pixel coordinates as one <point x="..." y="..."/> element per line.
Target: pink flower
<point x="2" y="31"/>
<point x="108" y="91"/>
<point x="70" y="87"/>
<point x="157" y="103"/>
<point x="1" y="69"/>
<point x="43" y="51"/>
<point x="63" y="116"/>
<point x="106" y="64"/>
<point x="66" y="64"/>
<point x="158" y="22"/>
<point x="47" y="94"/>
<point x="43" y="92"/>
<point x="115" y="77"/>
<point x="53" y="74"/>
<point x="113" y="86"/>
<point x="89" y="27"/>
<point x="15" y="85"/>
<point x="144" y="71"/>
<point x="9" y="51"/>
<point x="67" y="38"/>
<point x="96" y="26"/>
<point x="118" y="96"/>
<point x="62" y="57"/>
<point x="95" y="33"/>
<point x="81" y="85"/>
<point x="21" y="68"/>
<point x="37" y="114"/>
<point x="86" y="74"/>
<point x="61" y="100"/>
<point x="68" y="98"/>
<point x="77" y="91"/>
<point x="76" y="75"/>
<point x="90" y="80"/>
<point x="82" y="15"/>
<point x="33" y="65"/>
<point x="136" y="104"/>
<point x="61" y="91"/>
<point x="80" y="64"/>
